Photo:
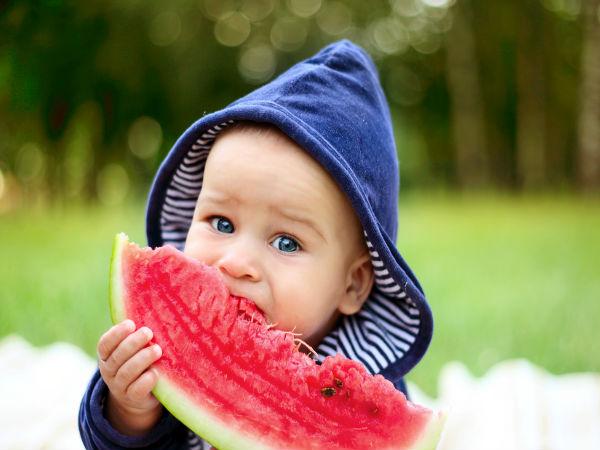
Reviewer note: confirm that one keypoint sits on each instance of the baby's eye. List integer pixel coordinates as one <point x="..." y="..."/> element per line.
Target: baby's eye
<point x="221" y="224"/>
<point x="286" y="244"/>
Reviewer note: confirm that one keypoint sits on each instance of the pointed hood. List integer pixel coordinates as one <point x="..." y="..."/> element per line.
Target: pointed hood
<point x="333" y="106"/>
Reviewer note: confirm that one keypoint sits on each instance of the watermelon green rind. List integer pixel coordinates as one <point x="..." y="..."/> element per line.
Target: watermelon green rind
<point x="115" y="287"/>
<point x="222" y="435"/>
<point x="213" y="430"/>
<point x="431" y="435"/>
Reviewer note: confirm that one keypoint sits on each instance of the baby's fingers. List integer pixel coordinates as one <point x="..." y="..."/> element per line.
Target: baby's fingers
<point x="139" y="390"/>
<point x="136" y="365"/>
<point x="124" y="351"/>
<point x="113" y="337"/>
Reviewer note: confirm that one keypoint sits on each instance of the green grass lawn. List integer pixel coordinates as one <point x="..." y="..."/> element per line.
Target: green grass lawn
<point x="506" y="277"/>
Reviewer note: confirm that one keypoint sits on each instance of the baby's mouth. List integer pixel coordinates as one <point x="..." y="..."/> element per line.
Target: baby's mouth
<point x="249" y="310"/>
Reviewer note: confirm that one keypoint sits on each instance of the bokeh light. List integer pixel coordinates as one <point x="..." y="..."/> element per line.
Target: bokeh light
<point x="568" y="9"/>
<point x="427" y="43"/>
<point x="443" y="23"/>
<point x="112" y="184"/>
<point x="389" y="35"/>
<point x="304" y="8"/>
<point x="232" y="29"/>
<point x="436" y="14"/>
<point x="30" y="162"/>
<point x="257" y="10"/>
<point x="165" y="28"/>
<point x="407" y="8"/>
<point x="10" y="191"/>
<point x="438" y="3"/>
<point x="215" y="9"/>
<point x="288" y="33"/>
<point x="257" y="63"/>
<point x="334" y="18"/>
<point x="144" y="137"/>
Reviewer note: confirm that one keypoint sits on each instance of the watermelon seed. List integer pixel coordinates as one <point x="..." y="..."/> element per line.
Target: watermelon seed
<point x="375" y="410"/>
<point x="328" y="391"/>
<point x="338" y="382"/>
<point x="348" y="394"/>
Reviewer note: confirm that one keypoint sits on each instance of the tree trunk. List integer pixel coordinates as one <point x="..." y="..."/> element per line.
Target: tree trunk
<point x="468" y="122"/>
<point x="531" y="117"/>
<point x="589" y="98"/>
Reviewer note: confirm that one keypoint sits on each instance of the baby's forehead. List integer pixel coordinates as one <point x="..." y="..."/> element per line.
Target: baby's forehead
<point x="266" y="148"/>
<point x="265" y="165"/>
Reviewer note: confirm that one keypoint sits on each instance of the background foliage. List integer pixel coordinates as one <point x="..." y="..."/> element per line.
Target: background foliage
<point x="499" y="95"/>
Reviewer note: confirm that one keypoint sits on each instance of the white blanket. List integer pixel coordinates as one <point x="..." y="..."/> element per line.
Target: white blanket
<point x="40" y="391"/>
<point x="515" y="406"/>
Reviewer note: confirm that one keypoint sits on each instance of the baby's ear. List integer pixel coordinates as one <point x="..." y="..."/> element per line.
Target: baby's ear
<point x="359" y="282"/>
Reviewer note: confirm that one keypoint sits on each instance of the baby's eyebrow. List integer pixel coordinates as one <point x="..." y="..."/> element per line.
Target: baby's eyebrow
<point x="295" y="217"/>
<point x="218" y="198"/>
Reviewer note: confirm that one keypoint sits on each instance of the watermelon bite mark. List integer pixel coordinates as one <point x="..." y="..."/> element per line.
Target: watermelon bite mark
<point x="242" y="384"/>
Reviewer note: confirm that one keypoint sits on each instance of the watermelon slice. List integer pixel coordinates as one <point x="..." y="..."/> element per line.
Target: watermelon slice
<point x="241" y="384"/>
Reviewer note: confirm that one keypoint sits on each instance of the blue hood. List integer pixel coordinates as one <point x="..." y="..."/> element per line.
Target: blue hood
<point x="333" y="106"/>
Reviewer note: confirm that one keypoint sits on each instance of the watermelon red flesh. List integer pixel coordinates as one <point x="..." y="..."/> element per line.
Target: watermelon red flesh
<point x="241" y="384"/>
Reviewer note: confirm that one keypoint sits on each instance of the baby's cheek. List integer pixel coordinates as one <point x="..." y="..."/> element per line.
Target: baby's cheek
<point x="302" y="301"/>
<point x="200" y="248"/>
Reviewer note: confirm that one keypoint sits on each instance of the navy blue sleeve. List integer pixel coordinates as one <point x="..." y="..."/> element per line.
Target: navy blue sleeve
<point x="98" y="434"/>
<point x="401" y="386"/>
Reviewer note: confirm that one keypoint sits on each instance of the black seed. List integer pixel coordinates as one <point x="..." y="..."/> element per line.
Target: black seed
<point x="328" y="391"/>
<point x="338" y="382"/>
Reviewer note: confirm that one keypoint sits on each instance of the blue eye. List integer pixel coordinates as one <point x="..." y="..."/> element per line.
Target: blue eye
<point x="221" y="224"/>
<point x="286" y="244"/>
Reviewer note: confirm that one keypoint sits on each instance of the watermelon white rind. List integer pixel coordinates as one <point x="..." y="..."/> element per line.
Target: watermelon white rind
<point x="241" y="422"/>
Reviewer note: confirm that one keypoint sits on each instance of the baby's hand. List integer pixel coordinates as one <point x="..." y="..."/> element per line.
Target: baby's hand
<point x="124" y="361"/>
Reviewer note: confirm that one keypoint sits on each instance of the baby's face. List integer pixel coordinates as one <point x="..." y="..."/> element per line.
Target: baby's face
<point x="279" y="230"/>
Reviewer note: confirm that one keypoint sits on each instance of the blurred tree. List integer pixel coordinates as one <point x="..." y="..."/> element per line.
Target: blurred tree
<point x="531" y="108"/>
<point x="561" y="50"/>
<point x="468" y="119"/>
<point x="589" y="99"/>
<point x="494" y="33"/>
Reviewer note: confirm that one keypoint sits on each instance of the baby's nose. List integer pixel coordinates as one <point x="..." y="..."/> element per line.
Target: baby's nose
<point x="238" y="262"/>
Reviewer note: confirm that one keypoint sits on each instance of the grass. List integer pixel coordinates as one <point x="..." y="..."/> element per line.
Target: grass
<point x="54" y="276"/>
<point x="506" y="277"/>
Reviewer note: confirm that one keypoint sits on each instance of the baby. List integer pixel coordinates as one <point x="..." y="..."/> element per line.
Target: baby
<point x="291" y="193"/>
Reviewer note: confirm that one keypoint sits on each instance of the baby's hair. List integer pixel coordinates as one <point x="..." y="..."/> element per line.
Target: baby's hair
<point x="258" y="128"/>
